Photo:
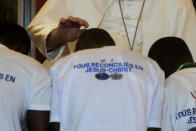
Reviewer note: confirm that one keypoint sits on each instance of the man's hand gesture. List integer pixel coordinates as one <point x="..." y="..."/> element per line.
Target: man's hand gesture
<point x="68" y="30"/>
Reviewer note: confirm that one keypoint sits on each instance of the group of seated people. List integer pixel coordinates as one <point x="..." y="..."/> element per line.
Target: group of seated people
<point x="100" y="87"/>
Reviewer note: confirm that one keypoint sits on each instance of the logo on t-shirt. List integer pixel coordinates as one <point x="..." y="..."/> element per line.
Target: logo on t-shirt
<point x="106" y="69"/>
<point x="7" y="77"/>
<point x="116" y="76"/>
<point x="105" y="76"/>
<point x="189" y="113"/>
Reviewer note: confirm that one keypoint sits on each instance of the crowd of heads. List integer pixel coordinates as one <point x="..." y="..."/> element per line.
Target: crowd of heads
<point x="168" y="52"/>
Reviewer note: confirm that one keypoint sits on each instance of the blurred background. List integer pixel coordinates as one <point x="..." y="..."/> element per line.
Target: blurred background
<point x="21" y="12"/>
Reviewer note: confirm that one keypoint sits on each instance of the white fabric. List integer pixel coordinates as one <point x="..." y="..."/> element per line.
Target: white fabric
<point x="160" y="18"/>
<point x="131" y="11"/>
<point x="131" y="101"/>
<point x="180" y="105"/>
<point x="1" y="46"/>
<point x="24" y="85"/>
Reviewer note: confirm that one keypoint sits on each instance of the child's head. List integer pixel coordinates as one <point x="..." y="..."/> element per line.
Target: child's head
<point x="94" y="38"/>
<point x="170" y="53"/>
<point x="14" y="37"/>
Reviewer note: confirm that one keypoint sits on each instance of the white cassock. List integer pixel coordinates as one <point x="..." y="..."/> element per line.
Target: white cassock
<point x="160" y="18"/>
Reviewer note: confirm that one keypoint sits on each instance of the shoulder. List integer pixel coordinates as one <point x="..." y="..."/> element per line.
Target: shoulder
<point x="69" y="59"/>
<point x="181" y="77"/>
<point x="23" y="62"/>
<point x="150" y="67"/>
<point x="62" y="65"/>
<point x="180" y="84"/>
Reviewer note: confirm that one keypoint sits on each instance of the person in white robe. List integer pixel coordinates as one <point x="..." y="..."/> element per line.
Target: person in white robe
<point x="146" y="20"/>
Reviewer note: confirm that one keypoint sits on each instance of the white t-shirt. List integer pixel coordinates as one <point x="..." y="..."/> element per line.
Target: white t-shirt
<point x="106" y="89"/>
<point x="180" y="101"/>
<point x="24" y="85"/>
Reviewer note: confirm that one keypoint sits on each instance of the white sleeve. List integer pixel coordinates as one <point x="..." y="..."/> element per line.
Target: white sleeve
<point x="40" y="93"/>
<point x="44" y="22"/>
<point x="55" y="103"/>
<point x="39" y="34"/>
<point x="167" y="121"/>
<point x="157" y="104"/>
<point x="56" y="94"/>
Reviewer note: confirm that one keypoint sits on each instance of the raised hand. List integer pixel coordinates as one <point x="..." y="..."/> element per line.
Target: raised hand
<point x="68" y="30"/>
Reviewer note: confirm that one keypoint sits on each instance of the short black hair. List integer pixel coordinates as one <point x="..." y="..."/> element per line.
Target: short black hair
<point x="94" y="38"/>
<point x="192" y="129"/>
<point x="14" y="37"/>
<point x="194" y="3"/>
<point x="170" y="53"/>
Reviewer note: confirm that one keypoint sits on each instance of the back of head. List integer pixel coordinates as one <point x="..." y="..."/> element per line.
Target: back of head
<point x="170" y="53"/>
<point x="94" y="38"/>
<point x="192" y="129"/>
<point x="14" y="37"/>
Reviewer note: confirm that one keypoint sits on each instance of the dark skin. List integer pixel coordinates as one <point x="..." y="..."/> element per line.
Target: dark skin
<point x="55" y="126"/>
<point x="153" y="129"/>
<point x="37" y="120"/>
<point x="24" y="49"/>
<point x="194" y="3"/>
<point x="68" y="30"/>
